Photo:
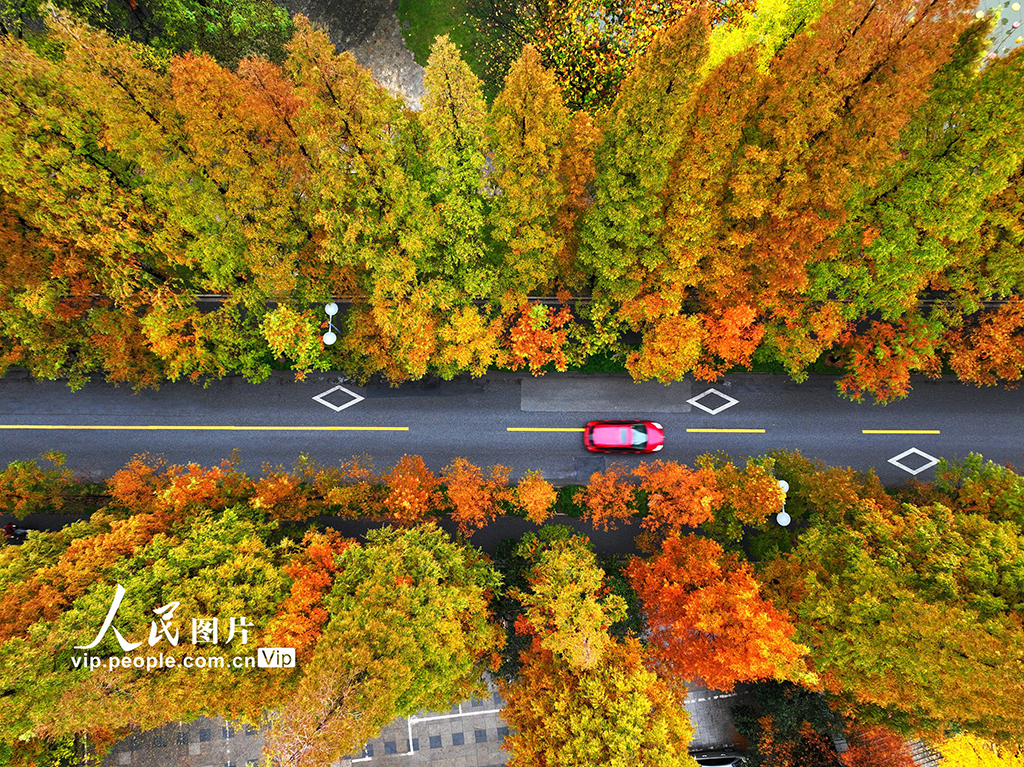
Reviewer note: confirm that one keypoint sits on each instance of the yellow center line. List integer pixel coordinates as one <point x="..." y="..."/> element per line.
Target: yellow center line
<point x="729" y="431"/>
<point x="211" y="428"/>
<point x="900" y="431"/>
<point x="512" y="428"/>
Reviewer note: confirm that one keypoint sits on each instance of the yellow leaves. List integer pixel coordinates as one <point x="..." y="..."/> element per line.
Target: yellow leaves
<point x="40" y="300"/>
<point x="671" y="348"/>
<point x="966" y="750"/>
<point x="468" y="342"/>
<point x="412" y="490"/>
<point x="616" y="714"/>
<point x="474" y="499"/>
<point x="281" y="495"/>
<point x="567" y="608"/>
<point x="295" y="335"/>
<point x="536" y="497"/>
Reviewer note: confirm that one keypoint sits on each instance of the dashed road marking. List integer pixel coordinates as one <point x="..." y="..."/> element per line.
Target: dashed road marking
<point x="728" y="431"/>
<point x="530" y="428"/>
<point x="900" y="431"/>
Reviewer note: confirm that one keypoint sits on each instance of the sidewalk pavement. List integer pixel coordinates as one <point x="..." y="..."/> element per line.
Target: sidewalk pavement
<point x="470" y="734"/>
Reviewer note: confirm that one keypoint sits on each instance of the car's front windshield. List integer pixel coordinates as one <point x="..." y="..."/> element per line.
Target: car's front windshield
<point x="639" y="435"/>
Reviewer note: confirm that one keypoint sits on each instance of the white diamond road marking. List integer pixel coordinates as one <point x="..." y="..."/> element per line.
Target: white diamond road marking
<point x="729" y="401"/>
<point x="338" y="408"/>
<point x="931" y="461"/>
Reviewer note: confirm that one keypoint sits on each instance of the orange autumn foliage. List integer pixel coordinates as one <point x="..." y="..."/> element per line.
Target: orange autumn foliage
<point x="729" y="340"/>
<point x="607" y="498"/>
<point x="536" y="496"/>
<point x="677" y="496"/>
<point x="474" y="498"/>
<point x="302" y="616"/>
<point x="47" y="591"/>
<point x="137" y="485"/>
<point x="214" y="487"/>
<point x="537" y="336"/>
<point x="412" y="490"/>
<point x="877" y="746"/>
<point x="707" y="618"/>
<point x="283" y="496"/>
<point x="881" y="359"/>
<point x="753" y="493"/>
<point x="992" y="350"/>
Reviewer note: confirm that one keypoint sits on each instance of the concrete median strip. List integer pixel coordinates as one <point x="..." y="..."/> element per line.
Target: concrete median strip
<point x="602" y="393"/>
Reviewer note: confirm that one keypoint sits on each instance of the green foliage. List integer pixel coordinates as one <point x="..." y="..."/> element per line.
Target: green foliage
<point x="768" y="29"/>
<point x="781" y="713"/>
<point x="27" y="488"/>
<point x="228" y="30"/>
<point x="901" y="592"/>
<point x="565" y="503"/>
<point x="218" y="566"/>
<point x="409" y="630"/>
<point x="753" y="194"/>
<point x="982" y="487"/>
<point x="621" y="234"/>
<point x="453" y="119"/>
<point x="424" y="21"/>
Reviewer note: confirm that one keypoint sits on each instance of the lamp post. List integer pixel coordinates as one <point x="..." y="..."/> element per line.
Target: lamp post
<point x="783" y="518"/>
<point x="330" y="336"/>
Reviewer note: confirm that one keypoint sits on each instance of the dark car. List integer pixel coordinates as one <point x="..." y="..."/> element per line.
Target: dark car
<point x="623" y="436"/>
<point x="725" y="758"/>
<point x="13" y="534"/>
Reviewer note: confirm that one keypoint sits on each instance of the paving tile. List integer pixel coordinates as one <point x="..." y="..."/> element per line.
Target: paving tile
<point x="458" y="738"/>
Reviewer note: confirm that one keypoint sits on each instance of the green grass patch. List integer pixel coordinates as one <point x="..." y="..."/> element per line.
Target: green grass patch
<point x="604" y="362"/>
<point x="428" y="19"/>
<point x="564" y="503"/>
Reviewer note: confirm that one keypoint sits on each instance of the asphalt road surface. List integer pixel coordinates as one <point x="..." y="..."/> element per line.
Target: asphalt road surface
<point x="275" y="421"/>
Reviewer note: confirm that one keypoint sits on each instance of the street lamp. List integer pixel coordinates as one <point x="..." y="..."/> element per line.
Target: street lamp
<point x="330" y="336"/>
<point x="783" y="518"/>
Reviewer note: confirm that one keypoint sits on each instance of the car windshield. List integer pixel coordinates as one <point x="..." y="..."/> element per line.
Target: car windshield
<point x="639" y="435"/>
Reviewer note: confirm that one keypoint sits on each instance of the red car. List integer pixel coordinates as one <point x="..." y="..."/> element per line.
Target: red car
<point x="624" y="437"/>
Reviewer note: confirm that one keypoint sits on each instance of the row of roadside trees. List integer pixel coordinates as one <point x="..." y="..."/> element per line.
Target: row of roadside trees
<point x="782" y="187"/>
<point x="878" y="614"/>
